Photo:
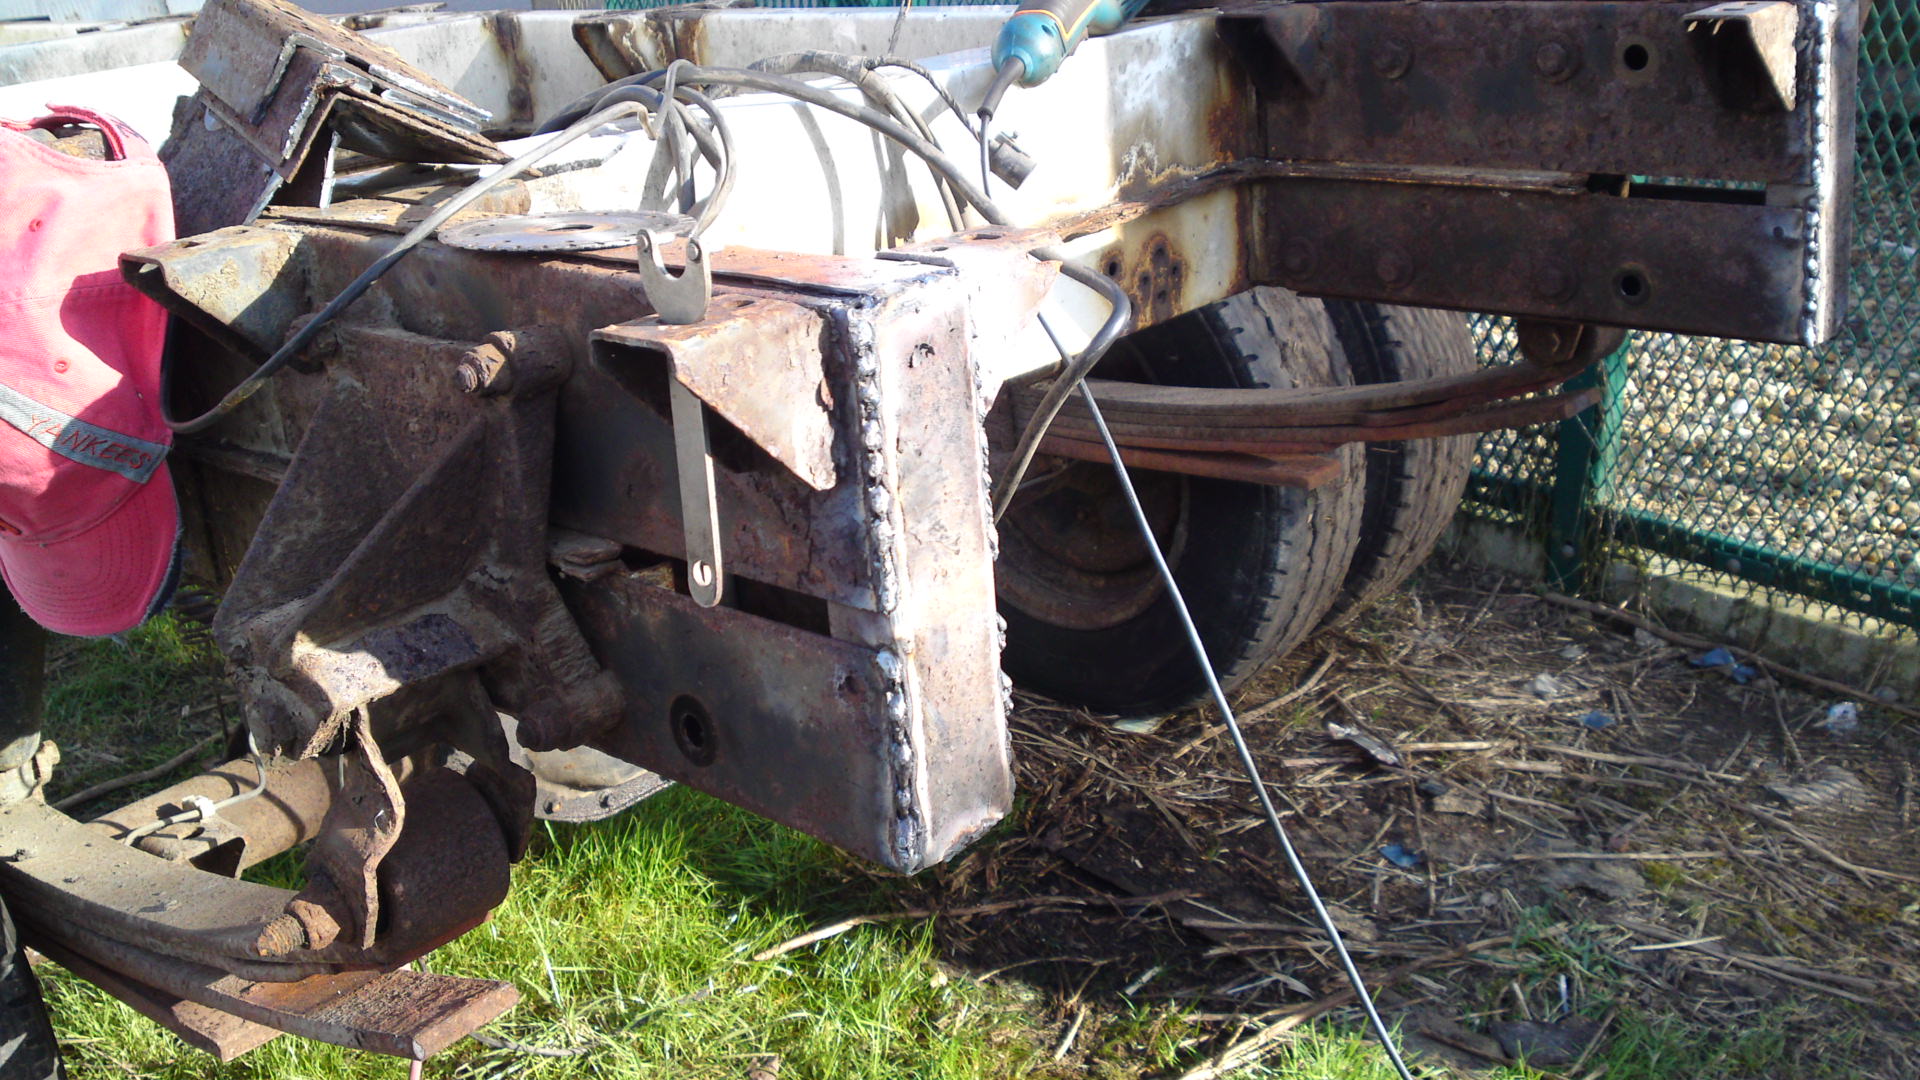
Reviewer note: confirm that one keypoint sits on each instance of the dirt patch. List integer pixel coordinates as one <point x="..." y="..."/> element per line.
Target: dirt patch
<point x="1668" y="853"/>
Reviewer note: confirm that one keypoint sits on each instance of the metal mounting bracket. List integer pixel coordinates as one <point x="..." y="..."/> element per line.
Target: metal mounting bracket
<point x="1754" y="43"/>
<point x="677" y="300"/>
<point x="693" y="454"/>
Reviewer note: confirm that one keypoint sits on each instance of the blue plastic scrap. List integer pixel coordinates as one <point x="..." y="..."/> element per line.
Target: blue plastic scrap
<point x="1722" y="658"/>
<point x="1713" y="658"/>
<point x="1596" y="721"/>
<point x="1402" y="857"/>
<point x="1841" y="718"/>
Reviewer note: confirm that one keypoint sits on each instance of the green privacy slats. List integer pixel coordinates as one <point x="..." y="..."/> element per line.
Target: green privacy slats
<point x="1776" y="468"/>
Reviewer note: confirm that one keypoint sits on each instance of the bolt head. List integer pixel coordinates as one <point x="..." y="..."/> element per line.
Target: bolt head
<point x="468" y="375"/>
<point x="1298" y="257"/>
<point x="1392" y="58"/>
<point x="1554" y="60"/>
<point x="1553" y="283"/>
<point x="1395" y="267"/>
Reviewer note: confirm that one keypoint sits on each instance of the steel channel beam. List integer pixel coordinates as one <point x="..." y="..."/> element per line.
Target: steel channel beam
<point x="1421" y="86"/>
<point x="1724" y="269"/>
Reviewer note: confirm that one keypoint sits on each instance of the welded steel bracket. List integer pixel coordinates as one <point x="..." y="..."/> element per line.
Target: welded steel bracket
<point x="387" y="561"/>
<point x="848" y="682"/>
<point x="281" y="91"/>
<point x="1752" y="43"/>
<point x="1643" y="164"/>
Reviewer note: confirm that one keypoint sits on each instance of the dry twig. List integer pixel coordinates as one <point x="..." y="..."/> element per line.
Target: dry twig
<point x="1246" y="1050"/>
<point x="1691" y="641"/>
<point x="844" y="925"/>
<point x="105" y="787"/>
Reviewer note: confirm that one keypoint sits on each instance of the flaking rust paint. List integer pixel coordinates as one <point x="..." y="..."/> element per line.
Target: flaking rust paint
<point x="503" y="30"/>
<point x="1154" y="260"/>
<point x="1154" y="257"/>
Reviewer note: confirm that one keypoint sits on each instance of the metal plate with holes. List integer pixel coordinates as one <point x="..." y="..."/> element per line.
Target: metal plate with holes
<point x="561" y="231"/>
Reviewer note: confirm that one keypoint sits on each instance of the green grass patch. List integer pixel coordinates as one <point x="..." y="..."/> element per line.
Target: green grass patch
<point x="118" y="705"/>
<point x="636" y="934"/>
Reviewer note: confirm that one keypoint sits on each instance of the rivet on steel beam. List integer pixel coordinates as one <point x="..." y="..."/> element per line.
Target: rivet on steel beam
<point x="1298" y="257"/>
<point x="1553" y="283"/>
<point x="1391" y="58"/>
<point x="1556" y="61"/>
<point x="1394" y="267"/>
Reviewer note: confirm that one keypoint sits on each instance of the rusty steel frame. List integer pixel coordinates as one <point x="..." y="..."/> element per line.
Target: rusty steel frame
<point x="492" y="487"/>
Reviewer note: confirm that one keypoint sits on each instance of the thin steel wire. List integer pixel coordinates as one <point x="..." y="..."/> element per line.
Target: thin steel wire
<point x="1239" y="740"/>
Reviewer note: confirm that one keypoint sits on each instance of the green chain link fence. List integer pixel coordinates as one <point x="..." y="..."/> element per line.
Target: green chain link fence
<point x="1778" y="470"/>
<point x="1781" y="470"/>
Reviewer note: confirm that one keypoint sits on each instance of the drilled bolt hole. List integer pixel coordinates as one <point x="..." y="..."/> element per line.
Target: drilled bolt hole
<point x="1631" y="285"/>
<point x="693" y="730"/>
<point x="1636" y="57"/>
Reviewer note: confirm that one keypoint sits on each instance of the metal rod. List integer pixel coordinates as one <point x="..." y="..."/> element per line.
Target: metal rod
<point x="1239" y="740"/>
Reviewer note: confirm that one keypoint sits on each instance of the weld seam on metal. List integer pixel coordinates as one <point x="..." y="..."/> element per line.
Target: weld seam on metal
<point x="1814" y="314"/>
<point x="907" y="836"/>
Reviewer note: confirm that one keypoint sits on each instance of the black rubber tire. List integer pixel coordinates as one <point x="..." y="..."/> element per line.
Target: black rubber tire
<point x="27" y="1047"/>
<point x="1259" y="565"/>
<point x="1413" y="487"/>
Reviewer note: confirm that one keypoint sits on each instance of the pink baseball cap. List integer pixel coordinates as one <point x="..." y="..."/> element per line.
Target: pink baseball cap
<point x="89" y="527"/>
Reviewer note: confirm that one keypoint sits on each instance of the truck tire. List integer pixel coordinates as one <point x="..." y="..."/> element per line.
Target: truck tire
<point x="27" y="1047"/>
<point x="1413" y="487"/>
<point x="1088" y="621"/>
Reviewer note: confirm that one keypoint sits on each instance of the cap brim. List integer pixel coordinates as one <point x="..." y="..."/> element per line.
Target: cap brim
<point x="107" y="579"/>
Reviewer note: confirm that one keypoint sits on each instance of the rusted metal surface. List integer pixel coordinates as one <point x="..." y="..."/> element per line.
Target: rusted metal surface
<point x="584" y="784"/>
<point x="390" y="557"/>
<point x="57" y="865"/>
<point x="447" y="870"/>
<point x="241" y="50"/>
<point x="1307" y="471"/>
<point x="1723" y="268"/>
<point x="1195" y="412"/>
<point x="916" y="601"/>
<point x="221" y="1034"/>
<point x="776" y="719"/>
<point x="919" y="681"/>
<point x="298" y="795"/>
<point x="408" y="1014"/>
<point x="918" y="606"/>
<point x="1604" y="87"/>
<point x="1418" y="423"/>
<point x="342" y="898"/>
<point x="757" y="366"/>
<point x="281" y="91"/>
<point x="1751" y="48"/>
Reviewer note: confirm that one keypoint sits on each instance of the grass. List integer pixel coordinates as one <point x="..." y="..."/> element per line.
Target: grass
<point x="117" y="705"/>
<point x="635" y="936"/>
<point x="636" y="933"/>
